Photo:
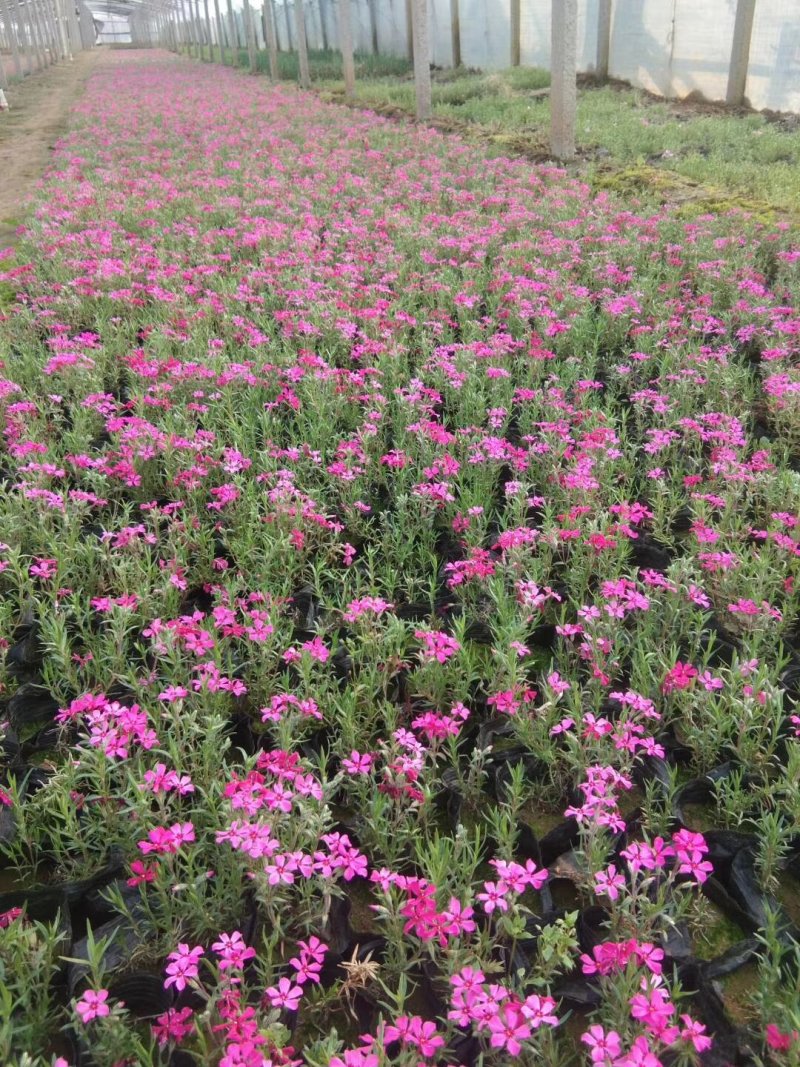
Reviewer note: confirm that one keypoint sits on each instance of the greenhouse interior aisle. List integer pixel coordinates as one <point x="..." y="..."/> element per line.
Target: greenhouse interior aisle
<point x="398" y="590"/>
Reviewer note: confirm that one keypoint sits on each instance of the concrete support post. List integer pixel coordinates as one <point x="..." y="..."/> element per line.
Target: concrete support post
<point x="270" y="38"/>
<point x="422" y="58"/>
<point x="288" y="22"/>
<point x="373" y="25"/>
<point x="250" y="37"/>
<point x="302" y="49"/>
<point x="563" y="86"/>
<point x="233" y="36"/>
<point x="208" y="31"/>
<point x="51" y="31"/>
<point x="346" y="45"/>
<point x="218" y="21"/>
<point x="516" y="32"/>
<point x="455" y="32"/>
<point x="201" y="34"/>
<point x="603" y="39"/>
<point x="43" y="55"/>
<point x="323" y="23"/>
<point x="740" y="52"/>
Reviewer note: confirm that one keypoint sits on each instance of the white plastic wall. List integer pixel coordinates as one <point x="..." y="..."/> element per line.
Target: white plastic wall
<point x="670" y="47"/>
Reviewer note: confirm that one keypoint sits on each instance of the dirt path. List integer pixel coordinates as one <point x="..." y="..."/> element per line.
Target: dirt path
<point x="39" y="110"/>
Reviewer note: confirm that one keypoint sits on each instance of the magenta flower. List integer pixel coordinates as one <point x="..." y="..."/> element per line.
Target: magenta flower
<point x="92" y="1005"/>
<point x="183" y="966"/>
<point x="173" y="1026"/>
<point x="285" y="995"/>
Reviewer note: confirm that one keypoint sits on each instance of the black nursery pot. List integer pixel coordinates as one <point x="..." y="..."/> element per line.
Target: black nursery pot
<point x="592" y="927"/>
<point x="31" y="705"/>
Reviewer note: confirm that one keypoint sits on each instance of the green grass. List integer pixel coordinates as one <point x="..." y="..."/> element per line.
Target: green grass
<point x="740" y="155"/>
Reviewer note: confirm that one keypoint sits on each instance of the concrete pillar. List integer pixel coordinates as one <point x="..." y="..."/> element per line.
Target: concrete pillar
<point x="288" y="25"/>
<point x="218" y="20"/>
<point x="603" y="39"/>
<point x="323" y="24"/>
<point x="302" y="49"/>
<point x="250" y="37"/>
<point x="455" y="32"/>
<point x="422" y="58"/>
<point x="270" y="37"/>
<point x="740" y="52"/>
<point x="346" y="45"/>
<point x="44" y="57"/>
<point x="208" y="31"/>
<point x="515" y="25"/>
<point x="233" y="38"/>
<point x="373" y="25"/>
<point x="563" y="87"/>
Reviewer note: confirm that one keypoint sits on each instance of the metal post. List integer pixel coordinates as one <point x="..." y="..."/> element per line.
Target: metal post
<point x="563" y="87"/>
<point x="302" y="50"/>
<point x="346" y="46"/>
<point x="422" y="60"/>
<point x="740" y="52"/>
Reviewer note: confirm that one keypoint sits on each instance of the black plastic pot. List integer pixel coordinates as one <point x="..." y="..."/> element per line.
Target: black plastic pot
<point x="649" y="554"/>
<point x="142" y="993"/>
<point x="30" y="706"/>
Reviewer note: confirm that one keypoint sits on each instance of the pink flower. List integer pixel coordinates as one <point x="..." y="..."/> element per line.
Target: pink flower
<point x="494" y="897"/>
<point x="509" y="1028"/>
<point x="284" y="995"/>
<point x="183" y="967"/>
<point x="233" y="951"/>
<point x="539" y="1011"/>
<point x="695" y="1032"/>
<point x="609" y="882"/>
<point x="437" y="646"/>
<point x="92" y="1005"/>
<point x="603" y="1047"/>
<point x="43" y="568"/>
<point x="173" y="1026"/>
<point x="778" y="1040"/>
<point x="356" y="763"/>
<point x="680" y="676"/>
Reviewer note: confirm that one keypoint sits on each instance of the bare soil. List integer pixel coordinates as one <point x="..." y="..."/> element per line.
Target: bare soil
<point x="40" y="106"/>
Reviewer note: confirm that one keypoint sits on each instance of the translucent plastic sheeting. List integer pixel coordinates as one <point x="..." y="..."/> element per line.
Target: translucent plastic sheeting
<point x="670" y="47"/>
